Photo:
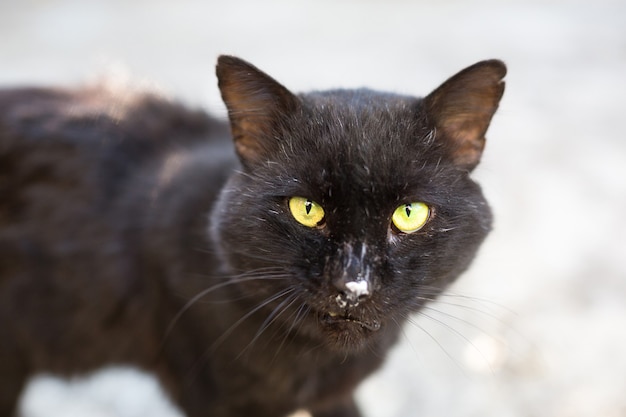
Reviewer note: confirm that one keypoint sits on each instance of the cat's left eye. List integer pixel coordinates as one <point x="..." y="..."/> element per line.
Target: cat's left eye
<point x="306" y="212"/>
<point x="409" y="218"/>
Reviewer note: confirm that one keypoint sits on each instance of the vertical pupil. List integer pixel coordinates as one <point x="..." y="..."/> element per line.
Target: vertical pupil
<point x="307" y="206"/>
<point x="407" y="208"/>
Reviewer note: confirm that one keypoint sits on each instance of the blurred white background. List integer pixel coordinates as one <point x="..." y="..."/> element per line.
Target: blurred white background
<point x="538" y="326"/>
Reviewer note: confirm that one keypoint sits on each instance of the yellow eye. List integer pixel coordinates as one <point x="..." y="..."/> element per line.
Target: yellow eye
<point x="306" y="212"/>
<point x="409" y="218"/>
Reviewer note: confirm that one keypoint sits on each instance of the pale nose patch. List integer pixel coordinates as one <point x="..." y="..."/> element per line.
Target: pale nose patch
<point x="358" y="288"/>
<point x="354" y="292"/>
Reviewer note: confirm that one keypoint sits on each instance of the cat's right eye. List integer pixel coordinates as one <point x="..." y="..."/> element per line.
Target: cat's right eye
<point x="306" y="212"/>
<point x="409" y="218"/>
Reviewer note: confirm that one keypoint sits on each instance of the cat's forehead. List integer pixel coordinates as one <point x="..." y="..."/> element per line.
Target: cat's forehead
<point x="357" y="123"/>
<point x="363" y="142"/>
<point x="365" y="126"/>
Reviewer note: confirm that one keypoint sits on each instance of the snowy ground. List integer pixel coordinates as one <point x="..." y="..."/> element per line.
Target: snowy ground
<point x="538" y="326"/>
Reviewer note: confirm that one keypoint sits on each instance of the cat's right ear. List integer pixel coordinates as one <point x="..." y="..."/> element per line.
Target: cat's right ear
<point x="462" y="107"/>
<point x="256" y="105"/>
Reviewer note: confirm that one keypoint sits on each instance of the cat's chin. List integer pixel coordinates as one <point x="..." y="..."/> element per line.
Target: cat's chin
<point x="346" y="333"/>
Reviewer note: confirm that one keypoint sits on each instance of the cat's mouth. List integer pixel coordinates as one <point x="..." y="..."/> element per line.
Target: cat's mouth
<point x="332" y="318"/>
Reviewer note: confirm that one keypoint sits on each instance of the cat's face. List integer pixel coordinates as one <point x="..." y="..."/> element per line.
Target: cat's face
<point x="353" y="208"/>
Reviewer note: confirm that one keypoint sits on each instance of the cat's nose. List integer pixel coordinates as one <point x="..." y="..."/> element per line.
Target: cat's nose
<point x="353" y="283"/>
<point x="351" y="293"/>
<point x="351" y="277"/>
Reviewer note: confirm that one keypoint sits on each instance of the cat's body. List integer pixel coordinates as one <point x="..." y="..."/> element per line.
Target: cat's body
<point x="130" y="233"/>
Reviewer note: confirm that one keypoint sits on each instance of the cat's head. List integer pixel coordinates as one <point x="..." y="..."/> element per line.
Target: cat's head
<point x="356" y="206"/>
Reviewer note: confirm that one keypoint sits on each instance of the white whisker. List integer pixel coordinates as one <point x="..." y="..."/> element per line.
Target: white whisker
<point x="256" y="275"/>
<point x="271" y="318"/>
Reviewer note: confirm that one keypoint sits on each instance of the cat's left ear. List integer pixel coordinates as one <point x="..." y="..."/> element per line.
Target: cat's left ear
<point x="256" y="106"/>
<point x="462" y="107"/>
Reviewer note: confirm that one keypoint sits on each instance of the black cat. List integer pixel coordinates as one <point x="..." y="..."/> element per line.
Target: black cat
<point x="130" y="233"/>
